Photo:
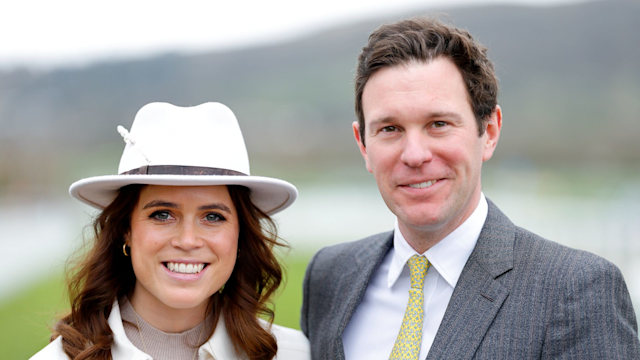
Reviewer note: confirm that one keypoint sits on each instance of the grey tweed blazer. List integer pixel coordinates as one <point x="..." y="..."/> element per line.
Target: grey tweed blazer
<point x="519" y="297"/>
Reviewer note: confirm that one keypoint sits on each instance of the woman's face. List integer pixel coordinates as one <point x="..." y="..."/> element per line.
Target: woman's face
<point x="184" y="243"/>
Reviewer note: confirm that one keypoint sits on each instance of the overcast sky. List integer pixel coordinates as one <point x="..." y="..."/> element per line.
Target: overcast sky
<point x="46" y="33"/>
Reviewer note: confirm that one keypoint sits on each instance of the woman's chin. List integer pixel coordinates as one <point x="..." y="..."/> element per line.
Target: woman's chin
<point x="184" y="301"/>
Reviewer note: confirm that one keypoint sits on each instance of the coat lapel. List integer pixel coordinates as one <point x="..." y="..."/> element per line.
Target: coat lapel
<point x="480" y="291"/>
<point x="353" y="283"/>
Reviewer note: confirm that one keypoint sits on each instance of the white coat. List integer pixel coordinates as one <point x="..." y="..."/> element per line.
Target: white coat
<point x="292" y="344"/>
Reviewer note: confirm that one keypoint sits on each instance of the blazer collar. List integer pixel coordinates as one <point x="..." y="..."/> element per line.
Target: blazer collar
<point x="122" y="347"/>
<point x="354" y="281"/>
<point x="494" y="251"/>
<point x="219" y="345"/>
<point x="480" y="292"/>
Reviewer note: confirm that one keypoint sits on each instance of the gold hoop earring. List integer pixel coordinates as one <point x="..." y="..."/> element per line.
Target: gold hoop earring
<point x="124" y="249"/>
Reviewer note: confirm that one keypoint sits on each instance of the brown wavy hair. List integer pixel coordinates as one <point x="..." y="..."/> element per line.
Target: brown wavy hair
<point x="104" y="274"/>
<point x="424" y="39"/>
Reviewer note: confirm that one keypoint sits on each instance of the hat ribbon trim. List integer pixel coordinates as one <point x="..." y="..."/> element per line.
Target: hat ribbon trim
<point x="180" y="170"/>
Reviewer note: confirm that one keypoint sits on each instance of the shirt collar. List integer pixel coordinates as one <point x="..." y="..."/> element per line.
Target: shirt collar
<point x="449" y="255"/>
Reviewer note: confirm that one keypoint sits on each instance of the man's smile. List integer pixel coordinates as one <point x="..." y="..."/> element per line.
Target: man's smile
<point x="422" y="185"/>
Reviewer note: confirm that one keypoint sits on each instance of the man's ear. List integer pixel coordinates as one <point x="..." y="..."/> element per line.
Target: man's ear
<point x="491" y="134"/>
<point x="359" y="141"/>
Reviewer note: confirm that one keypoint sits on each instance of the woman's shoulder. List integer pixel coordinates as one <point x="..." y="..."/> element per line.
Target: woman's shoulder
<point x="292" y="344"/>
<point x="53" y="351"/>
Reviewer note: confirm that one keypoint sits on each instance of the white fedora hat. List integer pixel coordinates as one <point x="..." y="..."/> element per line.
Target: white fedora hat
<point x="185" y="146"/>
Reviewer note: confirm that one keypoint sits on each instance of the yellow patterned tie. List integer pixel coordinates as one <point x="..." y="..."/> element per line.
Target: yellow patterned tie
<point x="407" y="346"/>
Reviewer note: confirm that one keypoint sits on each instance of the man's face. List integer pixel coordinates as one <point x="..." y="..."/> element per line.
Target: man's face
<point x="423" y="148"/>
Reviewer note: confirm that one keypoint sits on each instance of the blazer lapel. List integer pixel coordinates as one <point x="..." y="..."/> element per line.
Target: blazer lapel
<point x="479" y="293"/>
<point x="354" y="281"/>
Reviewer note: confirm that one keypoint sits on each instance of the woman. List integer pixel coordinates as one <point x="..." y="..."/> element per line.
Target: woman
<point x="182" y="264"/>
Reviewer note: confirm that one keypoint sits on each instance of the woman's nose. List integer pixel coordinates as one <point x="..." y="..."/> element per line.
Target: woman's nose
<point x="187" y="237"/>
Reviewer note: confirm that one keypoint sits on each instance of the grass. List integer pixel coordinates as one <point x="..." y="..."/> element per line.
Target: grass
<point x="288" y="300"/>
<point x="27" y="317"/>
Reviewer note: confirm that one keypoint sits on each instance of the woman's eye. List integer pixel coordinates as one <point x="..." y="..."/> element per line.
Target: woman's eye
<point x="161" y="215"/>
<point x="214" y="217"/>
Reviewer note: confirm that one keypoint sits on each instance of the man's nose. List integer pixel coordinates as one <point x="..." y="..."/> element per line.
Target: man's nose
<point x="416" y="150"/>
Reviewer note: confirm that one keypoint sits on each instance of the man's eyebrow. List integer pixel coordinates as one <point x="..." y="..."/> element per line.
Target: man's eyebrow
<point x="444" y="114"/>
<point x="160" y="203"/>
<point x="384" y="120"/>
<point x="431" y="115"/>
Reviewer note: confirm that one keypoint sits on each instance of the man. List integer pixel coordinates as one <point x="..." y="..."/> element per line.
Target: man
<point x="426" y="102"/>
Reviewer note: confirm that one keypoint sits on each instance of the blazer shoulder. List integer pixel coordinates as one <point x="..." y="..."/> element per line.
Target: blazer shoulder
<point x="530" y="247"/>
<point x="345" y="253"/>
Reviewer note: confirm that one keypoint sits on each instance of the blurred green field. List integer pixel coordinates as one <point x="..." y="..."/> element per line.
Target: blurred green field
<point x="27" y="317"/>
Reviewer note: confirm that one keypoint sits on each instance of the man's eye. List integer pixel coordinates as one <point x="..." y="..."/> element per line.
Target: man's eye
<point x="160" y="215"/>
<point x="439" y="124"/>
<point x="389" y="128"/>
<point x="214" y="217"/>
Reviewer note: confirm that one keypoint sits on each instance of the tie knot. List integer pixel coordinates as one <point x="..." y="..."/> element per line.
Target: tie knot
<point x="418" y="267"/>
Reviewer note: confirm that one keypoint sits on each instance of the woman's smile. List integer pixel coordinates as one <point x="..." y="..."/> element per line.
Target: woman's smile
<point x="182" y="268"/>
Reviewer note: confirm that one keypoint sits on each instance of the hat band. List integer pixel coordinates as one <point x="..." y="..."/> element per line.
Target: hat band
<point x="180" y="170"/>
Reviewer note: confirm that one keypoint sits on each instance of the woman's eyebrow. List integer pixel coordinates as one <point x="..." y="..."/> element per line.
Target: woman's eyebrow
<point x="160" y="203"/>
<point x="216" y="206"/>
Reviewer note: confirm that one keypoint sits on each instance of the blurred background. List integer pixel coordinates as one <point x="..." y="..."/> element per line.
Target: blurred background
<point x="567" y="166"/>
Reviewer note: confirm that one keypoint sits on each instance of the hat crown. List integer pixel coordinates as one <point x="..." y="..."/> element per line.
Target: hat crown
<point x="207" y="135"/>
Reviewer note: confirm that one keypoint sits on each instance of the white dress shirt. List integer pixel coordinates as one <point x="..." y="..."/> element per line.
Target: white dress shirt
<point x="373" y="329"/>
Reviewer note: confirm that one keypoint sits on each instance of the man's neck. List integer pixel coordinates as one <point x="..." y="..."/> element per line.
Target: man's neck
<point x="423" y="238"/>
<point x="421" y="241"/>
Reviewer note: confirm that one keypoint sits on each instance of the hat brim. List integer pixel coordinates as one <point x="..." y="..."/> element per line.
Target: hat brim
<point x="268" y="194"/>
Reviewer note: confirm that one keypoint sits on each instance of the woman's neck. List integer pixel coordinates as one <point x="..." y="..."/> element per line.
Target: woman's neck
<point x="160" y="344"/>
<point x="166" y="318"/>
